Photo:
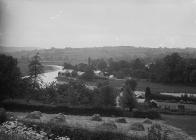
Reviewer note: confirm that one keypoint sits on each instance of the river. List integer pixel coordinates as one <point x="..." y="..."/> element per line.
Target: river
<point x="49" y="77"/>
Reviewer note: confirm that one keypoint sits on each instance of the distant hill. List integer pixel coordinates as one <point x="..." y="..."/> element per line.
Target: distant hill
<point x="15" y="49"/>
<point x="78" y="55"/>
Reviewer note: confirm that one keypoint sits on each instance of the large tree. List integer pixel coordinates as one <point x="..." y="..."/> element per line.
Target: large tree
<point x="35" y="68"/>
<point x="88" y="75"/>
<point x="104" y="96"/>
<point x="128" y="99"/>
<point x="9" y="76"/>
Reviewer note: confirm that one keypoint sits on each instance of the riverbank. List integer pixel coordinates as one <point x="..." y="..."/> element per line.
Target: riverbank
<point x="46" y="68"/>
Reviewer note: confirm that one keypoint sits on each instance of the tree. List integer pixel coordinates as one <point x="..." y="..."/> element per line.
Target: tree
<point x="128" y="99"/>
<point x="88" y="75"/>
<point x="75" y="93"/>
<point x="138" y="64"/>
<point x="101" y="65"/>
<point x="68" y="66"/>
<point x="131" y="84"/>
<point x="104" y="96"/>
<point x="82" y="67"/>
<point x="50" y="92"/>
<point x="9" y="77"/>
<point x="147" y="94"/>
<point x="175" y="67"/>
<point x="74" y="73"/>
<point x="193" y="76"/>
<point x="35" y="68"/>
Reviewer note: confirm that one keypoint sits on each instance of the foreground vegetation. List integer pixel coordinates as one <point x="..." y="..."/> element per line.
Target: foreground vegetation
<point x="93" y="127"/>
<point x="184" y="122"/>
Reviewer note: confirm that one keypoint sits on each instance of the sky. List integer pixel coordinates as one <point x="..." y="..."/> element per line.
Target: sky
<point x="97" y="23"/>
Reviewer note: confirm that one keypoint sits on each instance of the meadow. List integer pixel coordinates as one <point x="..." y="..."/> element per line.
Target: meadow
<point x="156" y="87"/>
<point x="105" y="128"/>
<point x="185" y="122"/>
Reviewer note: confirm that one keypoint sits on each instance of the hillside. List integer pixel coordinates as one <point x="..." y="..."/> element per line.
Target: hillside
<point x="78" y="55"/>
<point x="16" y="49"/>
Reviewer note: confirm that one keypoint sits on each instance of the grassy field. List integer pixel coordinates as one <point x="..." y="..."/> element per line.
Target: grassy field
<point x="85" y="122"/>
<point x="4" y="136"/>
<point x="156" y="87"/>
<point x="186" y="123"/>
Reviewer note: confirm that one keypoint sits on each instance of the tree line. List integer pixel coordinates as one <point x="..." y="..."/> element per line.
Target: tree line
<point x="172" y="68"/>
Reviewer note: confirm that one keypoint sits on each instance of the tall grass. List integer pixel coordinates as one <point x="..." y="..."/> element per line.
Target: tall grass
<point x="80" y="133"/>
<point x="4" y="136"/>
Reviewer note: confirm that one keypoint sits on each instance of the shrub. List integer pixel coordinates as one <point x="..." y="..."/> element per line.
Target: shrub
<point x="11" y="116"/>
<point x="4" y="136"/>
<point x="104" y="96"/>
<point x="77" y="133"/>
<point x="107" y="126"/>
<point x="147" y="121"/>
<point x="155" y="133"/>
<point x="96" y="117"/>
<point x="34" y="115"/>
<point x="59" y="118"/>
<point x="128" y="100"/>
<point x="54" y="109"/>
<point x="147" y="94"/>
<point x="137" y="126"/>
<point x="151" y="114"/>
<point x="121" y="120"/>
<point x="3" y="116"/>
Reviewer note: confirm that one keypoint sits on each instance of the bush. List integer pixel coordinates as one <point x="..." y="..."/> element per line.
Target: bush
<point x="52" y="109"/>
<point x="107" y="126"/>
<point x="4" y="136"/>
<point x="96" y="117"/>
<point x="151" y="114"/>
<point x="155" y="133"/>
<point x="121" y="120"/>
<point x="11" y="116"/>
<point x="77" y="133"/>
<point x="3" y="116"/>
<point x="137" y="127"/>
<point x="59" y="118"/>
<point x="34" y="115"/>
<point x="147" y="121"/>
<point x="104" y="96"/>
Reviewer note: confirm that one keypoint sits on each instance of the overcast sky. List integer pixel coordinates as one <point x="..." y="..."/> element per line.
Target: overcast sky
<point x="90" y="23"/>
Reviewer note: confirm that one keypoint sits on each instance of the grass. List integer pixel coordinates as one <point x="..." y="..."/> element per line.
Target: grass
<point x="186" y="123"/>
<point x="85" y="122"/>
<point x="82" y="128"/>
<point x="4" y="136"/>
<point x="156" y="87"/>
<point x="171" y="88"/>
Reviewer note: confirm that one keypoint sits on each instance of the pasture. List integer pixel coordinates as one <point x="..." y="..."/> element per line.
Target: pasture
<point x="186" y="123"/>
<point x="86" y="122"/>
<point x="156" y="87"/>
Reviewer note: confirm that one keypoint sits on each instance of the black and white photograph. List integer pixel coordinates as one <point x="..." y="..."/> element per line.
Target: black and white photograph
<point x="97" y="69"/>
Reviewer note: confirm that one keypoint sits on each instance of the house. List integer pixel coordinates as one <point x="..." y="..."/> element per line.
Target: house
<point x="99" y="73"/>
